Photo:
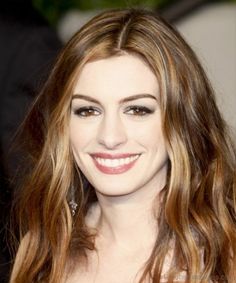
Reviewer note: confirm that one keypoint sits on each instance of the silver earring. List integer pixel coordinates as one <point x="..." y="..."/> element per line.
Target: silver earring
<point x="73" y="204"/>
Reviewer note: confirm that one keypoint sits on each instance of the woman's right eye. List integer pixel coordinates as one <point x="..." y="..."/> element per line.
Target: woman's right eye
<point x="87" y="111"/>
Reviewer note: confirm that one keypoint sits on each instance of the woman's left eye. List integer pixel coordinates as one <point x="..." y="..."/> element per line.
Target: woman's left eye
<point x="138" y="110"/>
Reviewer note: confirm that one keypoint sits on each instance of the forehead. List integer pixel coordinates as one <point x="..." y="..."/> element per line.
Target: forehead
<point x="120" y="76"/>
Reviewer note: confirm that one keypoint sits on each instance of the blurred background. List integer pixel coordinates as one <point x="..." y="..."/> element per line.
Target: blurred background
<point x="208" y="26"/>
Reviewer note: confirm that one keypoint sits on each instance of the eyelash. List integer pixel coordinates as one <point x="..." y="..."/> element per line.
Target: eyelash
<point x="134" y="110"/>
<point x="138" y="110"/>
<point x="87" y="111"/>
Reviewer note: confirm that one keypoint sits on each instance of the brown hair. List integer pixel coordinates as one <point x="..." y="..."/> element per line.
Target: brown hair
<point x="198" y="209"/>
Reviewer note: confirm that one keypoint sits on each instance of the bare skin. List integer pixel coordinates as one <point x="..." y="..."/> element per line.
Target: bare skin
<point x="124" y="243"/>
<point x="116" y="117"/>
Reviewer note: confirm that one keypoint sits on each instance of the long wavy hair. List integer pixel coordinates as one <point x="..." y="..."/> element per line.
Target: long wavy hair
<point x="197" y="215"/>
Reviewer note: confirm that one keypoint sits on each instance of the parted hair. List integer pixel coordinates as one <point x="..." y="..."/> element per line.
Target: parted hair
<point x="197" y="213"/>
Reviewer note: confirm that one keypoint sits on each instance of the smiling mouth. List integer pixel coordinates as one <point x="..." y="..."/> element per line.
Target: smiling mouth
<point x="109" y="164"/>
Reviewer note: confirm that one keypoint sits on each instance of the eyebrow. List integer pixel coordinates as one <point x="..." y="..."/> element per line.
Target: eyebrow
<point x="126" y="99"/>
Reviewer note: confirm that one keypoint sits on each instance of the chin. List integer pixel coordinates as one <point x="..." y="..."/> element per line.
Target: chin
<point x="114" y="191"/>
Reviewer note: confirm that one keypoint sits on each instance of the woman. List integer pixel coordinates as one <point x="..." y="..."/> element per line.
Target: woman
<point x="133" y="172"/>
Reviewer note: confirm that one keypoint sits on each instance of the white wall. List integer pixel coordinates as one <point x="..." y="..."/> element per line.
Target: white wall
<point x="211" y="32"/>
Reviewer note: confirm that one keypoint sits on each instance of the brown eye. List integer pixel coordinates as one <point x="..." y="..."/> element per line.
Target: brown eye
<point x="87" y="112"/>
<point x="138" y="111"/>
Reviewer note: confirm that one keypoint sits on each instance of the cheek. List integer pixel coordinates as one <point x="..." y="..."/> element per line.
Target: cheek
<point x="79" y="136"/>
<point x="149" y="134"/>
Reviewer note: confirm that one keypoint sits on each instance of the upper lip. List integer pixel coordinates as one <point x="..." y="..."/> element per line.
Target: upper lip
<point x="112" y="156"/>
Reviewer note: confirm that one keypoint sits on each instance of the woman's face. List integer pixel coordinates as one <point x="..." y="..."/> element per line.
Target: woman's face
<point x="115" y="127"/>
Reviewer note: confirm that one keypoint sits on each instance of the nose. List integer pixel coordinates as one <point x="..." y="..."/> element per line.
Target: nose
<point x="112" y="133"/>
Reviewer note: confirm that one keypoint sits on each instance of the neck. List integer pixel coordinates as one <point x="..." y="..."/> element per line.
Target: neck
<point x="127" y="221"/>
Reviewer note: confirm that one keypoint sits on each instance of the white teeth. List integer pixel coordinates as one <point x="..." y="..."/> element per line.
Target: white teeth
<point x="115" y="162"/>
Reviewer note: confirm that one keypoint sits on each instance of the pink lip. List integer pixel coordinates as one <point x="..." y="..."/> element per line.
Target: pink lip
<point x="113" y="170"/>
<point x="112" y="156"/>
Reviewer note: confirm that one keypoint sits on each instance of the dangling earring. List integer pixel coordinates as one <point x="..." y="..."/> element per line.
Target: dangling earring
<point x="72" y="203"/>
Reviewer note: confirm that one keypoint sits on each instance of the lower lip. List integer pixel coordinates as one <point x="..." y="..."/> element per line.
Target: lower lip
<point x="114" y="170"/>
